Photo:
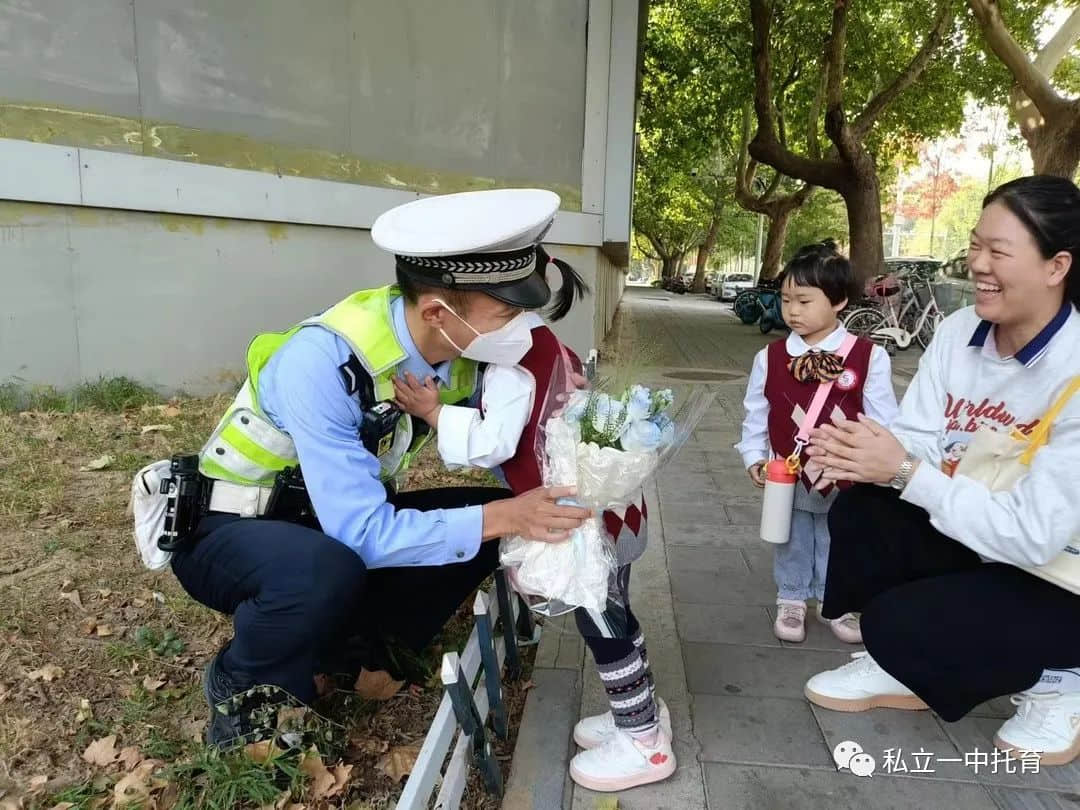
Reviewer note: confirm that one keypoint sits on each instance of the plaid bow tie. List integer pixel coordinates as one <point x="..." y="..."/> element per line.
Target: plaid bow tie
<point x="819" y="367"/>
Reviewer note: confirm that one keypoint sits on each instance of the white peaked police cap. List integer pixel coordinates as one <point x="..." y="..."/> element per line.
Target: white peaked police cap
<point x="483" y="241"/>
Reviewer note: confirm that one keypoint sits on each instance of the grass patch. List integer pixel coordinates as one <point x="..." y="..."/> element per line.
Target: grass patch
<point x="211" y="780"/>
<point x="81" y="796"/>
<point x="108" y="394"/>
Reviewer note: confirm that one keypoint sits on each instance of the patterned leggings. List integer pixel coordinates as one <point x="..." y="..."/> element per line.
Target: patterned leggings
<point x="618" y="647"/>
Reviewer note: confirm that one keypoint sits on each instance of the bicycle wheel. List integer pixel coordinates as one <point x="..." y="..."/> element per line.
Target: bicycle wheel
<point x="747" y="306"/>
<point x="864" y="322"/>
<point x="930" y="325"/>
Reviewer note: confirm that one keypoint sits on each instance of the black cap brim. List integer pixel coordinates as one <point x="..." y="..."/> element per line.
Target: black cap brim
<point x="531" y="292"/>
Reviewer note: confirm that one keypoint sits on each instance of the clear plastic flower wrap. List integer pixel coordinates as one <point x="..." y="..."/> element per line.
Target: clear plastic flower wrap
<point x="607" y="445"/>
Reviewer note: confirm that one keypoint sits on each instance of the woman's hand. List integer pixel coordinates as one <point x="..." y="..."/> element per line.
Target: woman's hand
<point x="418" y="399"/>
<point x="861" y="451"/>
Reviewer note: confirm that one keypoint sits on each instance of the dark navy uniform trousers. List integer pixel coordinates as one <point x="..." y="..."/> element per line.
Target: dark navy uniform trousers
<point x="298" y="596"/>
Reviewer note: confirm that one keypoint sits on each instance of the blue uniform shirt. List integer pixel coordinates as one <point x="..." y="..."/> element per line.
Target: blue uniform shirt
<point x="302" y="392"/>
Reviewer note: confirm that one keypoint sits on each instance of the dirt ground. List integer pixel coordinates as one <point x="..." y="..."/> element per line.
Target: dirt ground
<point x="101" y="660"/>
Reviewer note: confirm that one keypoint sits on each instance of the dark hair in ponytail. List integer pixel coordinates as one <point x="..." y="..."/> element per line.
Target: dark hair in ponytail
<point x="1049" y="207"/>
<point x="573" y="286"/>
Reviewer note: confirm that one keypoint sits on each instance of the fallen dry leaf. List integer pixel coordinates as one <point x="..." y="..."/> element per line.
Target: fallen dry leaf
<point x="38" y="783"/>
<point x="341" y="773"/>
<point x="89" y="625"/>
<point x="130" y="757"/>
<point x="262" y="752"/>
<point x="377" y="685"/>
<point x="525" y="687"/>
<point x="73" y="597"/>
<point x="48" y="673"/>
<point x="103" y="631"/>
<point x="134" y="789"/>
<point x="62" y="806"/>
<point x="156" y="429"/>
<point x="153" y="684"/>
<point x="100" y="463"/>
<point x="101" y="752"/>
<point x="85" y="713"/>
<point x="158" y="597"/>
<point x="370" y="745"/>
<point x="322" y="781"/>
<point x="398" y="762"/>
<point x="67" y="584"/>
<point x="104" y="593"/>
<point x="134" y="668"/>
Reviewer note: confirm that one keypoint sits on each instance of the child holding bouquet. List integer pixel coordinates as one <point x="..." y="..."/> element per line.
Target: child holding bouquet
<point x="786" y="375"/>
<point x="629" y="745"/>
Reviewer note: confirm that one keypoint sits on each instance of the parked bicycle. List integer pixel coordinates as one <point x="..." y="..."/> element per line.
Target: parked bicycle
<point x="905" y="312"/>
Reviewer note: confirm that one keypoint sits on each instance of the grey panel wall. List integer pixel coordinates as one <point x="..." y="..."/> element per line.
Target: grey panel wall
<point x="480" y="88"/>
<point x="173" y="301"/>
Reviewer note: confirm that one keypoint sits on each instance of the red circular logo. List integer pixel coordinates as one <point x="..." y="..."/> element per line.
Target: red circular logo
<point x="847" y="380"/>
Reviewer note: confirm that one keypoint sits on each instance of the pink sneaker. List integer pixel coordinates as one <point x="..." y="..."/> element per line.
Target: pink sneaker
<point x="846" y="628"/>
<point x="790" y="622"/>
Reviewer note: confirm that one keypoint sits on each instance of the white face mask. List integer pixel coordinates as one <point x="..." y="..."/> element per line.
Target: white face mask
<point x="504" y="346"/>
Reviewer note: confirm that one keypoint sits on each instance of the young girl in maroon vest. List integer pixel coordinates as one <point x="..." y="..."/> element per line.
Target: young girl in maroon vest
<point x="631" y="744"/>
<point x="816" y="284"/>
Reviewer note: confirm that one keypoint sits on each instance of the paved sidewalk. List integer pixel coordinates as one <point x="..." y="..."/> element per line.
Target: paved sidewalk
<point x="745" y="736"/>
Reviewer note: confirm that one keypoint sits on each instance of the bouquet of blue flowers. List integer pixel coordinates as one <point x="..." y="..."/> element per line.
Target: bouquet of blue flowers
<point x="607" y="445"/>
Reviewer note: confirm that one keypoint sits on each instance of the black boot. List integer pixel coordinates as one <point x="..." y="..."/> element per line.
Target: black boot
<point x="237" y="716"/>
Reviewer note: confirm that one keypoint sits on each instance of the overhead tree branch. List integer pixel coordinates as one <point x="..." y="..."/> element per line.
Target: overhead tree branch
<point x="1048" y="59"/>
<point x="1033" y="82"/>
<point x="910" y="74"/>
<point x="836" y="124"/>
<point x="765" y="145"/>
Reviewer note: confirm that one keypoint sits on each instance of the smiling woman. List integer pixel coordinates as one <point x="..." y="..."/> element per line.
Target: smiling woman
<point x="950" y="573"/>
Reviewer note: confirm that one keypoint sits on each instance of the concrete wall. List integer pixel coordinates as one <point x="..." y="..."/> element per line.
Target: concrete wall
<point x="172" y="301"/>
<point x="420" y="94"/>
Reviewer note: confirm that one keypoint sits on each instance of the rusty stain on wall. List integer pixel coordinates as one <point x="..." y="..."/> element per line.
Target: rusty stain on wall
<point x="69" y="127"/>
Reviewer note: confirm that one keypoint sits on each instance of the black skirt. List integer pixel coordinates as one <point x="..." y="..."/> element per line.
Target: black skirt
<point x="955" y="630"/>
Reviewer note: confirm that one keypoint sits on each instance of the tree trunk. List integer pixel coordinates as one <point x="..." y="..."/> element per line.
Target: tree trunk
<point x="863" y="202"/>
<point x="703" y="251"/>
<point x="669" y="267"/>
<point x="1055" y="146"/>
<point x="774" y="242"/>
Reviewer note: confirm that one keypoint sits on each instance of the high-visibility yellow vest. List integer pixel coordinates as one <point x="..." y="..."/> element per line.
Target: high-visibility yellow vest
<point x="247" y="448"/>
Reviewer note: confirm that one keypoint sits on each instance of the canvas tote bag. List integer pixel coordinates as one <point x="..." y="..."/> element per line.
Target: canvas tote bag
<point x="999" y="460"/>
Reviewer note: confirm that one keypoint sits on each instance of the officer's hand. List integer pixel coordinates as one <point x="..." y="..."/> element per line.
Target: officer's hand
<point x="419" y="399"/>
<point x="534" y="515"/>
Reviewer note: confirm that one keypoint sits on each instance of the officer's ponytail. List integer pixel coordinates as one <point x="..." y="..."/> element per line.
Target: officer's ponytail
<point x="573" y="286"/>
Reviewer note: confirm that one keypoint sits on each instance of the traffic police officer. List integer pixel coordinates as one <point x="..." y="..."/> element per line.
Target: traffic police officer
<point x="360" y="560"/>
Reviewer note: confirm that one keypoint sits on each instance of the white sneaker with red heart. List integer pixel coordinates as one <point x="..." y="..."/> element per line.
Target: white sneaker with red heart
<point x="623" y="762"/>
<point x="592" y="732"/>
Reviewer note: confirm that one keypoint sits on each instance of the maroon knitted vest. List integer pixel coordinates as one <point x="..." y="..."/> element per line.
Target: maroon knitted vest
<point x="789" y="399"/>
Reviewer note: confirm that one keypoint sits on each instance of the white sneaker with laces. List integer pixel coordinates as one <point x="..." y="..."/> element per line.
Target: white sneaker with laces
<point x="846" y="628"/>
<point x="622" y="763"/>
<point x="860" y="685"/>
<point x="591" y="732"/>
<point x="790" y="624"/>
<point x="1048" y="723"/>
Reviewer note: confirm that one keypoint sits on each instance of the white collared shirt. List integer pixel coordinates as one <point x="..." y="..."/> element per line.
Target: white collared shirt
<point x="489" y="435"/>
<point x="879" y="398"/>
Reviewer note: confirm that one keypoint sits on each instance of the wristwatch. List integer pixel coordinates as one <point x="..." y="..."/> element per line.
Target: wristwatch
<point x="903" y="475"/>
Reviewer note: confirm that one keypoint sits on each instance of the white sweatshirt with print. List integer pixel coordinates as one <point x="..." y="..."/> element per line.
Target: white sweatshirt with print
<point x="963" y="384"/>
